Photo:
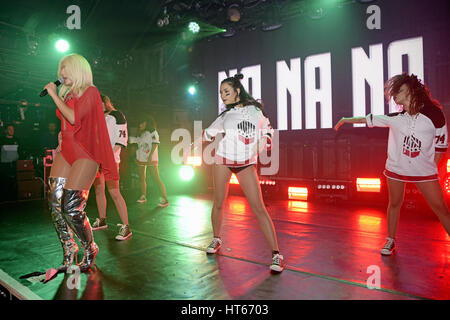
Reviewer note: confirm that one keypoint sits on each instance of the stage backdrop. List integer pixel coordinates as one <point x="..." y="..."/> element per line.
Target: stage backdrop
<point x="311" y="72"/>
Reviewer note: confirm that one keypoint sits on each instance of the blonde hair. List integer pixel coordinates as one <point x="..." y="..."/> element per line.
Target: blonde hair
<point x="79" y="71"/>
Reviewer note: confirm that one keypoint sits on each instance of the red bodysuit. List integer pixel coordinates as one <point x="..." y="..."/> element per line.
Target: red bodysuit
<point x="88" y="137"/>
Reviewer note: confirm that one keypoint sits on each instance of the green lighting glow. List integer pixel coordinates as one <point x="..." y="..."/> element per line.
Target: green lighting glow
<point x="186" y="173"/>
<point x="194" y="27"/>
<point x="192" y="90"/>
<point x="62" y="45"/>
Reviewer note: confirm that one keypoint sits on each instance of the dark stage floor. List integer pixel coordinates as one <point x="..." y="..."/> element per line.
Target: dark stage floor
<point x="328" y="252"/>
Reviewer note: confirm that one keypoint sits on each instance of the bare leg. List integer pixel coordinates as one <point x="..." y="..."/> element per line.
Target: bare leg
<point x="154" y="173"/>
<point x="248" y="179"/>
<point x="221" y="177"/>
<point x="142" y="175"/>
<point x="82" y="174"/>
<point x="121" y="206"/>
<point x="60" y="167"/>
<point x="396" y="193"/>
<point x="100" y="197"/>
<point x="432" y="192"/>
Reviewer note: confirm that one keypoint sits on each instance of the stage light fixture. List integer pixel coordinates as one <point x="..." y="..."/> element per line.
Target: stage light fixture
<point x="271" y="26"/>
<point x="228" y="33"/>
<point x="62" y="45"/>
<point x="192" y="90"/>
<point x="447" y="186"/>
<point x="298" y="193"/>
<point x="316" y="13"/>
<point x="194" y="27"/>
<point x="368" y="185"/>
<point x="234" y="14"/>
<point x="186" y="173"/>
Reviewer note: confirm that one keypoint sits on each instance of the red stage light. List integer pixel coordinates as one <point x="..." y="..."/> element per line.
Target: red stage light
<point x="447" y="186"/>
<point x="298" y="206"/>
<point x="448" y="166"/>
<point x="368" y="184"/>
<point x="233" y="179"/>
<point x="298" y="193"/>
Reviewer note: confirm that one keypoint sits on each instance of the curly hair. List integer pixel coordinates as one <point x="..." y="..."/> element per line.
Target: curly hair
<point x="420" y="93"/>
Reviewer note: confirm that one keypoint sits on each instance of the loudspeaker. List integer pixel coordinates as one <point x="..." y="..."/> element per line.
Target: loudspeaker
<point x="25" y="165"/>
<point x="29" y="189"/>
<point x="25" y="170"/>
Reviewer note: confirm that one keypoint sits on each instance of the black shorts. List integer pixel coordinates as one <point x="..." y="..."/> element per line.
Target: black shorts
<point x="239" y="169"/>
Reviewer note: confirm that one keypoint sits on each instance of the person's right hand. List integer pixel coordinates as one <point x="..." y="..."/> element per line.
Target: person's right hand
<point x="339" y="124"/>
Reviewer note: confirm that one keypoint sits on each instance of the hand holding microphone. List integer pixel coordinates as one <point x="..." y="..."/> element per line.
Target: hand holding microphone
<point x="51" y="87"/>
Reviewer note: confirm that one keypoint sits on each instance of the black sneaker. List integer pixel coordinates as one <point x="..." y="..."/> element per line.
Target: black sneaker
<point x="99" y="224"/>
<point x="124" y="232"/>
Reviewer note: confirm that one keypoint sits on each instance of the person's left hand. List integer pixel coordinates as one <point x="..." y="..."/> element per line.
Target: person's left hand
<point x="51" y="88"/>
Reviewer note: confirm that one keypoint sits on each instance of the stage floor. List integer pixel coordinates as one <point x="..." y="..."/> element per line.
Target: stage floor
<point x="330" y="253"/>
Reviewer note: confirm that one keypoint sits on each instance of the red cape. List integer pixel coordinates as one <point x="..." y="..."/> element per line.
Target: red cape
<point x="92" y="134"/>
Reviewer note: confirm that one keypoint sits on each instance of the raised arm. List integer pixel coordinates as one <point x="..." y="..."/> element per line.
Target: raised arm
<point x="67" y="112"/>
<point x="350" y="120"/>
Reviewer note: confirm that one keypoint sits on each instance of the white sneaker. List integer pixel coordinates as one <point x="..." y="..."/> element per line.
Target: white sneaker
<point x="277" y="263"/>
<point x="388" y="248"/>
<point x="163" y="203"/>
<point x="214" y="246"/>
<point x="142" y="199"/>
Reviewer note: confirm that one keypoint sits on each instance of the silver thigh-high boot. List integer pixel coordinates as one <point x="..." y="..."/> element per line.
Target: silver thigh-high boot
<point x="70" y="248"/>
<point x="73" y="204"/>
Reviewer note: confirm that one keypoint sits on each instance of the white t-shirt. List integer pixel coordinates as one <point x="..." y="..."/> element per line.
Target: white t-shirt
<point x="117" y="129"/>
<point x="413" y="142"/>
<point x="145" y="142"/>
<point x="242" y="127"/>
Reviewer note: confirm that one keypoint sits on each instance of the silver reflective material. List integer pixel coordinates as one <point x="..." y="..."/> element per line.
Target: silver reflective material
<point x="70" y="248"/>
<point x="74" y="204"/>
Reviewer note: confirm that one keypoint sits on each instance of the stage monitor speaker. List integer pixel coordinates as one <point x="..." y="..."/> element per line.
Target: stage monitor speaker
<point x="29" y="189"/>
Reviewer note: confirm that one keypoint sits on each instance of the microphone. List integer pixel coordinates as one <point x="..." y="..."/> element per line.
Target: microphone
<point x="57" y="82"/>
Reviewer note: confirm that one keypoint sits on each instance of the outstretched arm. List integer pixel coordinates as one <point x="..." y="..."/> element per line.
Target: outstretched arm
<point x="350" y="120"/>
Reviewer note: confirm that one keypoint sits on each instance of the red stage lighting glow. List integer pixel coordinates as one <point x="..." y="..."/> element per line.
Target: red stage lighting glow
<point x="298" y="193"/>
<point x="233" y="179"/>
<point x="298" y="206"/>
<point x="447" y="186"/>
<point x="368" y="185"/>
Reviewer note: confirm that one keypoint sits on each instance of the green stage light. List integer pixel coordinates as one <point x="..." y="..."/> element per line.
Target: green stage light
<point x="192" y="90"/>
<point x="62" y="45"/>
<point x="186" y="173"/>
<point x="194" y="27"/>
